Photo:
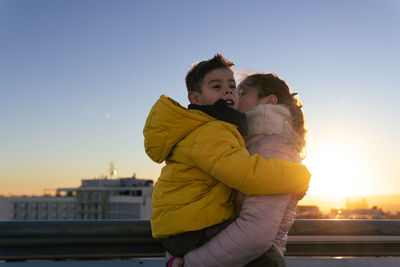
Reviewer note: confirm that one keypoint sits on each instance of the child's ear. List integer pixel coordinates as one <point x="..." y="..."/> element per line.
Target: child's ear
<point x="271" y="99"/>
<point x="193" y="98"/>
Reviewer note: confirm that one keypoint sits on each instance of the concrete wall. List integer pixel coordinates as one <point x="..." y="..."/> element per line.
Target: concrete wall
<point x="159" y="262"/>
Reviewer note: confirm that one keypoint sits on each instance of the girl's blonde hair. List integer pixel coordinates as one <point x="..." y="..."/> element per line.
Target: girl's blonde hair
<point x="271" y="84"/>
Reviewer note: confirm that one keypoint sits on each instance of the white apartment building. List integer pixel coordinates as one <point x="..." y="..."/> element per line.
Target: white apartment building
<point x="95" y="199"/>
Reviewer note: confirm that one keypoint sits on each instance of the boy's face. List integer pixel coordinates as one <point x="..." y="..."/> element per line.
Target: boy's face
<point x="217" y="84"/>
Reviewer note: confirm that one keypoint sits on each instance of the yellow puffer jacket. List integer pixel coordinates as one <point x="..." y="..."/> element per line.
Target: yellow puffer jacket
<point x="205" y="158"/>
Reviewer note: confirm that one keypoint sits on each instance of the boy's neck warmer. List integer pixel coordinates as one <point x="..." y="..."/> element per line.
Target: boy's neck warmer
<point x="222" y="111"/>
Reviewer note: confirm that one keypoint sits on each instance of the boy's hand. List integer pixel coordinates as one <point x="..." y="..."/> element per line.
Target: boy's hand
<point x="300" y="196"/>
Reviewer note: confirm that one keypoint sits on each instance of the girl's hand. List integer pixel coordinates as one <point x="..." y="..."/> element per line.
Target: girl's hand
<point x="178" y="262"/>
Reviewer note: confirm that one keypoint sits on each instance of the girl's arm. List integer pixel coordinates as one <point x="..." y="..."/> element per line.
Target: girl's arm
<point x="289" y="216"/>
<point x="247" y="238"/>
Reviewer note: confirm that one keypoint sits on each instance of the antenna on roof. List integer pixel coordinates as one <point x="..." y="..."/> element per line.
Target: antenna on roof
<point x="113" y="172"/>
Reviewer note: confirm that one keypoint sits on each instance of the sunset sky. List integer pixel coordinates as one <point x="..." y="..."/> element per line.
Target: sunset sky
<point x="78" y="78"/>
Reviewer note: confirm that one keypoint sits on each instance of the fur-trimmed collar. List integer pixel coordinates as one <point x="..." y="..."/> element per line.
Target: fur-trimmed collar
<point x="269" y="119"/>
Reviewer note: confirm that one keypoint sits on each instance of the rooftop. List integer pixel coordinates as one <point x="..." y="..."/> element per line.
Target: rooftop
<point x="123" y="243"/>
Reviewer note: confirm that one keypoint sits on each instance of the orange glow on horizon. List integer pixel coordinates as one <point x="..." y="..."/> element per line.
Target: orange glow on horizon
<point x="339" y="171"/>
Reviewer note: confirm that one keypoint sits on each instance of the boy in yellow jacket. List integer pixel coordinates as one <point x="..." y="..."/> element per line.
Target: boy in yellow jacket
<point x="206" y="160"/>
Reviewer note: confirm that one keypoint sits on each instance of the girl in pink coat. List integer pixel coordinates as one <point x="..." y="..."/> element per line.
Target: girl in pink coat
<point x="258" y="236"/>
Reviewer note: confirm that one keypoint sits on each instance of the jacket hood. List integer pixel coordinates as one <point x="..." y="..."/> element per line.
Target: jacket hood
<point x="168" y="123"/>
<point x="268" y="119"/>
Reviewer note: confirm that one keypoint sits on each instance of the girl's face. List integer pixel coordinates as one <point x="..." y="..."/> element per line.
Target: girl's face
<point x="248" y="98"/>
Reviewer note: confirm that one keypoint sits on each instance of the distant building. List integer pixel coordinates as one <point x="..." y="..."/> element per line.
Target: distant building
<point x="373" y="213"/>
<point x="356" y="204"/>
<point x="308" y="212"/>
<point x="95" y="199"/>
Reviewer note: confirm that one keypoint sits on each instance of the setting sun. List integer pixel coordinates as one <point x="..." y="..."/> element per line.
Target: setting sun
<point x="339" y="171"/>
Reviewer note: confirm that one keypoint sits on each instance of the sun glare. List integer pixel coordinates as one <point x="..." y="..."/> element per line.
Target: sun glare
<point x="338" y="171"/>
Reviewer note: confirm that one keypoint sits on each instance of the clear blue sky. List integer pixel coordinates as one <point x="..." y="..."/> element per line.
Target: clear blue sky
<point x="77" y="79"/>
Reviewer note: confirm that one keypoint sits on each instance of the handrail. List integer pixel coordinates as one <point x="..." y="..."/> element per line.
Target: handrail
<point x="22" y="240"/>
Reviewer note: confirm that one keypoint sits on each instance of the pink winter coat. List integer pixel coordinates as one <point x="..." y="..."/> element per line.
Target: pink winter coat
<point x="263" y="221"/>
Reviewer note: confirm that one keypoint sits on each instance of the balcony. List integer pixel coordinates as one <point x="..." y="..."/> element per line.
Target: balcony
<point x="115" y="243"/>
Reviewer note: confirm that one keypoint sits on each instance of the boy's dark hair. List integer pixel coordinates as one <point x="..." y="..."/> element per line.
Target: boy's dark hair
<point x="196" y="74"/>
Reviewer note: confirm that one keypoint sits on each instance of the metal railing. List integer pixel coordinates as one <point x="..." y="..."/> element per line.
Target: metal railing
<point x="107" y="239"/>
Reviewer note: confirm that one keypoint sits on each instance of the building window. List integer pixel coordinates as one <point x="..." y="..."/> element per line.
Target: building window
<point x="124" y="193"/>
